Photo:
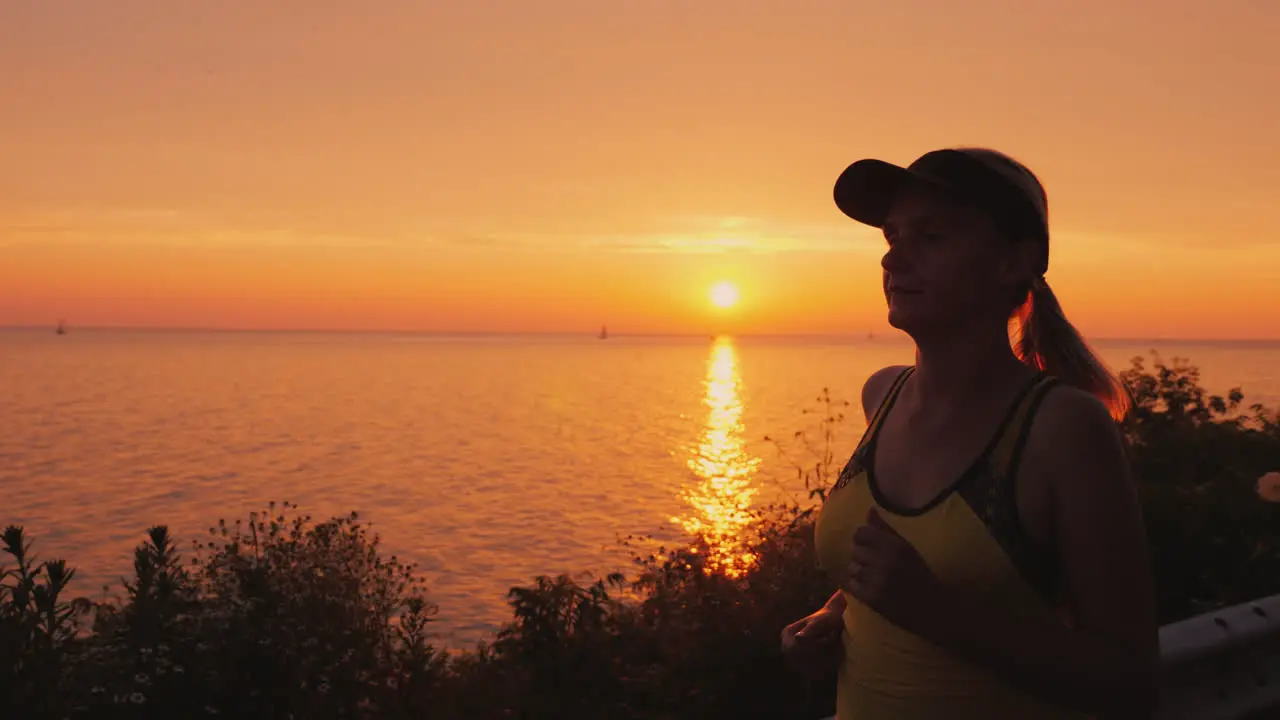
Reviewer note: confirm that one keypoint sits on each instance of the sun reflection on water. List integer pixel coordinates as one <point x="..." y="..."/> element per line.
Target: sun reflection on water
<point x="721" y="500"/>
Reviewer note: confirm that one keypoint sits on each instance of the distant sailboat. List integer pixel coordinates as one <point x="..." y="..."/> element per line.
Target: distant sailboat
<point x="62" y="328"/>
<point x="604" y="333"/>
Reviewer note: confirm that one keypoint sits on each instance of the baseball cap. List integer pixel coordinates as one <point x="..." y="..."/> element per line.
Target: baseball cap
<point x="987" y="179"/>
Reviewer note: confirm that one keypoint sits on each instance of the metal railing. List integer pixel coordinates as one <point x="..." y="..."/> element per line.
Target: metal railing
<point x="1221" y="665"/>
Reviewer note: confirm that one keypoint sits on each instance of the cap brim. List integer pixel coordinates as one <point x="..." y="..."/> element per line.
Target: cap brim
<point x="867" y="189"/>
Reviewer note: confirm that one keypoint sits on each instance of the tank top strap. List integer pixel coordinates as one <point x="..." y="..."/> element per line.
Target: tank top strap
<point x="991" y="492"/>
<point x="1007" y="450"/>
<point x="854" y="466"/>
<point x="895" y="389"/>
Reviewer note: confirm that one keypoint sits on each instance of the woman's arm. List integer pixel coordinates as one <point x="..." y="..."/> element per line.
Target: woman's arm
<point x="1106" y="661"/>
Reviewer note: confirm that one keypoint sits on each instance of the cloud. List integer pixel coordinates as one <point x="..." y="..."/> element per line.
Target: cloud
<point x="173" y="227"/>
<point x="1089" y="248"/>
<point x="697" y="235"/>
<point x="170" y="227"/>
<point x="480" y="240"/>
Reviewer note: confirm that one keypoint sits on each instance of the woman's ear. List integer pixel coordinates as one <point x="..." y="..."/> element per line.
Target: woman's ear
<point x="1016" y="270"/>
<point x="1021" y="264"/>
<point x="1011" y="266"/>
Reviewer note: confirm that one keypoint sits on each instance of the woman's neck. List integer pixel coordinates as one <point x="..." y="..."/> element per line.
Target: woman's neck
<point x="965" y="364"/>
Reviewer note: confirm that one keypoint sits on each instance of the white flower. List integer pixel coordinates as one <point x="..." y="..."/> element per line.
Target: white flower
<point x="1269" y="487"/>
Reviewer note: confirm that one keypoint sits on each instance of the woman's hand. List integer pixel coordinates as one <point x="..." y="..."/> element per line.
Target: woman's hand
<point x="888" y="575"/>
<point x="812" y="644"/>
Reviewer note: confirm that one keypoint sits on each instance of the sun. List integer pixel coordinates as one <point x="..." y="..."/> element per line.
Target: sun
<point x="724" y="295"/>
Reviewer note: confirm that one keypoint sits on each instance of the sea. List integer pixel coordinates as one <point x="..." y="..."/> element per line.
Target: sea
<point x="486" y="460"/>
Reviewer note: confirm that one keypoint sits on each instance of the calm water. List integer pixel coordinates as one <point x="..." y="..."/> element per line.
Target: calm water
<point x="485" y="460"/>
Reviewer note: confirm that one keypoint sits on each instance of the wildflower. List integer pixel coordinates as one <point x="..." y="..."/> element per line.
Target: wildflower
<point x="137" y="698"/>
<point x="324" y="688"/>
<point x="1269" y="487"/>
<point x="141" y="679"/>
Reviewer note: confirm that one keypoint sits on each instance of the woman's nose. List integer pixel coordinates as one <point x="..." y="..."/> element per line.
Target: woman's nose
<point x="892" y="260"/>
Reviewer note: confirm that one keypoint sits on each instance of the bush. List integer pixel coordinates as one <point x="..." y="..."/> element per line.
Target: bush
<point x="286" y="617"/>
<point x="37" y="628"/>
<point x="281" y="618"/>
<point x="1197" y="459"/>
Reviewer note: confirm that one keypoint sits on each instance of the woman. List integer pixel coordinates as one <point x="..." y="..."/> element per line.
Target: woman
<point x="985" y="537"/>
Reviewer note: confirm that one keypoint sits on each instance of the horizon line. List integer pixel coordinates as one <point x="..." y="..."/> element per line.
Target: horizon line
<point x="894" y="335"/>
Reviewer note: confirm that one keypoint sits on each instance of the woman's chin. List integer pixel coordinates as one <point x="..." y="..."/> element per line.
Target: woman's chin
<point x="902" y="319"/>
<point x="913" y="320"/>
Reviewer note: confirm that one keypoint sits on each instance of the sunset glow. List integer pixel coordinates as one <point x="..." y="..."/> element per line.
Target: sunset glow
<point x="724" y="295"/>
<point x="721" y="500"/>
<point x="529" y="167"/>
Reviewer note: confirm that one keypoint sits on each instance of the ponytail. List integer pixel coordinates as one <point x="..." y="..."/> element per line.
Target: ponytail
<point x="1045" y="340"/>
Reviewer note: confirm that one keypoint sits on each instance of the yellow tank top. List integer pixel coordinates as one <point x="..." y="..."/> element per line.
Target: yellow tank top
<point x="971" y="537"/>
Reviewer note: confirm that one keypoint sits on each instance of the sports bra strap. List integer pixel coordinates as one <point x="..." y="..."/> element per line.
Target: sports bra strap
<point x="1006" y="453"/>
<point x="890" y="397"/>
<point x="992" y="495"/>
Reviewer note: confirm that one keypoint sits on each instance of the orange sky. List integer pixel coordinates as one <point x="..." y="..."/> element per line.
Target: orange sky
<point x="550" y="165"/>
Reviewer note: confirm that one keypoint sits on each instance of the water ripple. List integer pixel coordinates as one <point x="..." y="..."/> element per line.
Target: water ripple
<point x="486" y="462"/>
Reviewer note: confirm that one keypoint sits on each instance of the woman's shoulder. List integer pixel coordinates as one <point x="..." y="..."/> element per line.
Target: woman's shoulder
<point x="1073" y="437"/>
<point x="876" y="387"/>
<point x="1072" y="414"/>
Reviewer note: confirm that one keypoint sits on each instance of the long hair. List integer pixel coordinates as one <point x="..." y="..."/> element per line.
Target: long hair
<point x="1045" y="339"/>
<point x="1041" y="335"/>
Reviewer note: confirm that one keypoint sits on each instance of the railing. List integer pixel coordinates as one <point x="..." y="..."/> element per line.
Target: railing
<point x="1221" y="665"/>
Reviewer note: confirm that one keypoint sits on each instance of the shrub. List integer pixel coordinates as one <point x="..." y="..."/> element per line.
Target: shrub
<point x="37" y="627"/>
<point x="1197" y="459"/>
<point x="279" y="618"/>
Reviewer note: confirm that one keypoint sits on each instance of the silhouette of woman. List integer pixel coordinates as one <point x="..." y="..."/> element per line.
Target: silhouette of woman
<point x="985" y="537"/>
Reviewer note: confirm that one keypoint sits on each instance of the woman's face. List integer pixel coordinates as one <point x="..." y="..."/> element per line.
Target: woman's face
<point x="945" y="265"/>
